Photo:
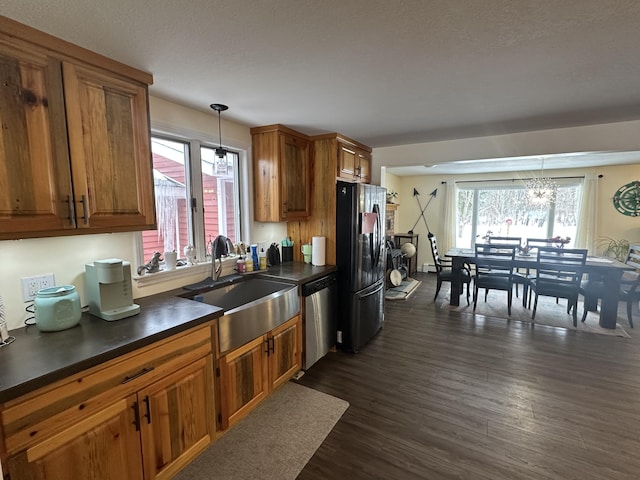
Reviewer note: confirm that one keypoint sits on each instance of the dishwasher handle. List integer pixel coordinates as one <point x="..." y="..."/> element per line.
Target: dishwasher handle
<point x="310" y="288"/>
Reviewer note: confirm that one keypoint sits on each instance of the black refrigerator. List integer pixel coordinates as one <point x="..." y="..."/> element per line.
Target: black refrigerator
<point x="360" y="257"/>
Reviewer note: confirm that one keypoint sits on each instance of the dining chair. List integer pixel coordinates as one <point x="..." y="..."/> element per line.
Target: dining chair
<point x="519" y="278"/>
<point x="494" y="270"/>
<point x="558" y="274"/>
<point x="629" y="293"/>
<point x="633" y="256"/>
<point x="534" y="243"/>
<point x="444" y="270"/>
<point x="629" y="285"/>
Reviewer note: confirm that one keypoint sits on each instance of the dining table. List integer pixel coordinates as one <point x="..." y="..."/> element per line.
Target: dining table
<point x="608" y="269"/>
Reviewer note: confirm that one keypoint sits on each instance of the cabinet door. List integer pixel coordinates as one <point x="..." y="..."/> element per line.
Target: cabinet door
<point x="177" y="417"/>
<point x="363" y="170"/>
<point x="109" y="134"/>
<point x="35" y="175"/>
<point x="104" y="446"/>
<point x="244" y="380"/>
<point x="347" y="162"/>
<point x="294" y="177"/>
<point x="285" y="357"/>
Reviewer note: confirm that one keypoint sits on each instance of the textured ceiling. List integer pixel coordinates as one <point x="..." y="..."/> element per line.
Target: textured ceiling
<point x="384" y="72"/>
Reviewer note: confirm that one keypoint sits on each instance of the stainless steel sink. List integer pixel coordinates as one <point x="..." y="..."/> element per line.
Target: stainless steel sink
<point x="252" y="308"/>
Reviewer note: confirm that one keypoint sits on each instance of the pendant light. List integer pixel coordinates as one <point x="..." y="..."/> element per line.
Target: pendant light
<point x="218" y="107"/>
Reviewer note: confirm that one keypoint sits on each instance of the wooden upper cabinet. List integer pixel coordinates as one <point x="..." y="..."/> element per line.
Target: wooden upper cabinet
<point x="110" y="149"/>
<point x="35" y="174"/>
<point x="281" y="174"/>
<point x="75" y="153"/>
<point x="354" y="161"/>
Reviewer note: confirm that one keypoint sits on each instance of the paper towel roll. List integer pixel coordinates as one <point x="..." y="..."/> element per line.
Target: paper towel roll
<point x="318" y="251"/>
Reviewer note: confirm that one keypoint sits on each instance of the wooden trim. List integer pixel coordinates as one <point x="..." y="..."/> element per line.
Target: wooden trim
<point x="67" y="50"/>
<point x="344" y="139"/>
<point x="276" y="127"/>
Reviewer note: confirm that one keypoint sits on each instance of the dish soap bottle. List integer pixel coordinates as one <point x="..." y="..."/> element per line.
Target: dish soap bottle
<point x="262" y="257"/>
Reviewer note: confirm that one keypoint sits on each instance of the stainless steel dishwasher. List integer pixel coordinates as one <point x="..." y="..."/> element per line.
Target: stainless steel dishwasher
<point x="319" y="320"/>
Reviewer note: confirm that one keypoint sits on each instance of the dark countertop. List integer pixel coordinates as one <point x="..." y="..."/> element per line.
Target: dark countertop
<point x="297" y="272"/>
<point x="38" y="358"/>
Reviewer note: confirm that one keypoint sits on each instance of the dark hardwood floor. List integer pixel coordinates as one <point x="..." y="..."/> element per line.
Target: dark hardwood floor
<point x="439" y="394"/>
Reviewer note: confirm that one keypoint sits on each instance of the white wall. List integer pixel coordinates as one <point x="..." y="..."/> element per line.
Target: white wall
<point x="66" y="256"/>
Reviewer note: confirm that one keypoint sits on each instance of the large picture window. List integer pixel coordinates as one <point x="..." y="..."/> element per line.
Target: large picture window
<point x="506" y="210"/>
<point x="197" y="197"/>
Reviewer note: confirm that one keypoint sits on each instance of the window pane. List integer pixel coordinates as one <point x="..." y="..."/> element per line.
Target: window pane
<point x="169" y="178"/>
<point x="508" y="212"/>
<point x="219" y="178"/>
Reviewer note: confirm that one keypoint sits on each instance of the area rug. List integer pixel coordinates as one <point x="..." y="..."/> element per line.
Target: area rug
<point x="402" y="291"/>
<point x="548" y="312"/>
<point x="275" y="441"/>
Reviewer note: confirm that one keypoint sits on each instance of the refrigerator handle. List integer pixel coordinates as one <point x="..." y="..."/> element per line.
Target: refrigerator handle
<point x="375" y="255"/>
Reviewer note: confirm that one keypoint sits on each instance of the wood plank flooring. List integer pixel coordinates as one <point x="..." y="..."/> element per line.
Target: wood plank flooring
<point x="443" y="395"/>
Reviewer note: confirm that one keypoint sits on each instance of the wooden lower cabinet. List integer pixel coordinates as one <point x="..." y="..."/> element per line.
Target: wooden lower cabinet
<point x="177" y="419"/>
<point x="249" y="373"/>
<point x="140" y="417"/>
<point x="105" y="446"/>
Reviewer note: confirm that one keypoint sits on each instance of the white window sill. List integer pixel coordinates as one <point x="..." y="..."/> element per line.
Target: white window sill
<point x="180" y="272"/>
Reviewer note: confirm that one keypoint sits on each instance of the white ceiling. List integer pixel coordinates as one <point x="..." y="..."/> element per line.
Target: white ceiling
<point x="385" y="72"/>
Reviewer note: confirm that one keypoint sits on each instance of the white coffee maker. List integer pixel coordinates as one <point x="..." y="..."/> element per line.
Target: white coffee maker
<point x="108" y="284"/>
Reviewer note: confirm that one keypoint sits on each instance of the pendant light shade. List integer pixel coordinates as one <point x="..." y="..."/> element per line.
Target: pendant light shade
<point x="218" y="107"/>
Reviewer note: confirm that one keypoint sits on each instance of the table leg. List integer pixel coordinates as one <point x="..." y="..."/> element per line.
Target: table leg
<point x="609" y="302"/>
<point x="456" y="290"/>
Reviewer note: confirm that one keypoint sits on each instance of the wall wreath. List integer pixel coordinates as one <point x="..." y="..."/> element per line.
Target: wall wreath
<point x="626" y="200"/>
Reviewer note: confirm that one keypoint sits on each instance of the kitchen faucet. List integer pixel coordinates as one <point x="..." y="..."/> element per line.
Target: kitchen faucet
<point x="221" y="246"/>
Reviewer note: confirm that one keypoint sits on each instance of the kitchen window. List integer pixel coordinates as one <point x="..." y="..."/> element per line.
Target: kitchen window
<point x="507" y="212"/>
<point x="196" y="197"/>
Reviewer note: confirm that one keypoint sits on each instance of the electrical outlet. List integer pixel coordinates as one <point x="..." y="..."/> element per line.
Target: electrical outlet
<point x="46" y="280"/>
<point x="31" y="285"/>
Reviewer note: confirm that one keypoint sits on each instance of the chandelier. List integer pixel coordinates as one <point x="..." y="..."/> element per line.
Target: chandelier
<point x="541" y="190"/>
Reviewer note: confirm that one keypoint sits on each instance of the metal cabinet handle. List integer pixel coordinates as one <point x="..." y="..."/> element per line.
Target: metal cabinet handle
<point x="273" y="345"/>
<point x="138" y="374"/>
<point x="266" y="346"/>
<point x="72" y="211"/>
<point x="148" y="414"/>
<point x="136" y="414"/>
<point x="83" y="200"/>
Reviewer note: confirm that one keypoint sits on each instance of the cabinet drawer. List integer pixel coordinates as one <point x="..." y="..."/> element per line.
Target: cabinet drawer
<point x="39" y="414"/>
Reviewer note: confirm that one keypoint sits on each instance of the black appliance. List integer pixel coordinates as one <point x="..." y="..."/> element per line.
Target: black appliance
<point x="360" y="257"/>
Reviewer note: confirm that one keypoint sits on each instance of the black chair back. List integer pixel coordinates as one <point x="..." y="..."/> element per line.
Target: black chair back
<point x="433" y="242"/>
<point x="558" y="274"/>
<point x="493" y="258"/>
<point x="517" y="241"/>
<point x="535" y="243"/>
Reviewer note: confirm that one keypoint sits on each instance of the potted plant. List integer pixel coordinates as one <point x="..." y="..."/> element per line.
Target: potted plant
<point x="613" y="248"/>
<point x="391" y="195"/>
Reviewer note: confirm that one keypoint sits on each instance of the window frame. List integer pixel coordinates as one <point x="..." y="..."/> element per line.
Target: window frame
<point x="193" y="140"/>
<point x="477" y="186"/>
